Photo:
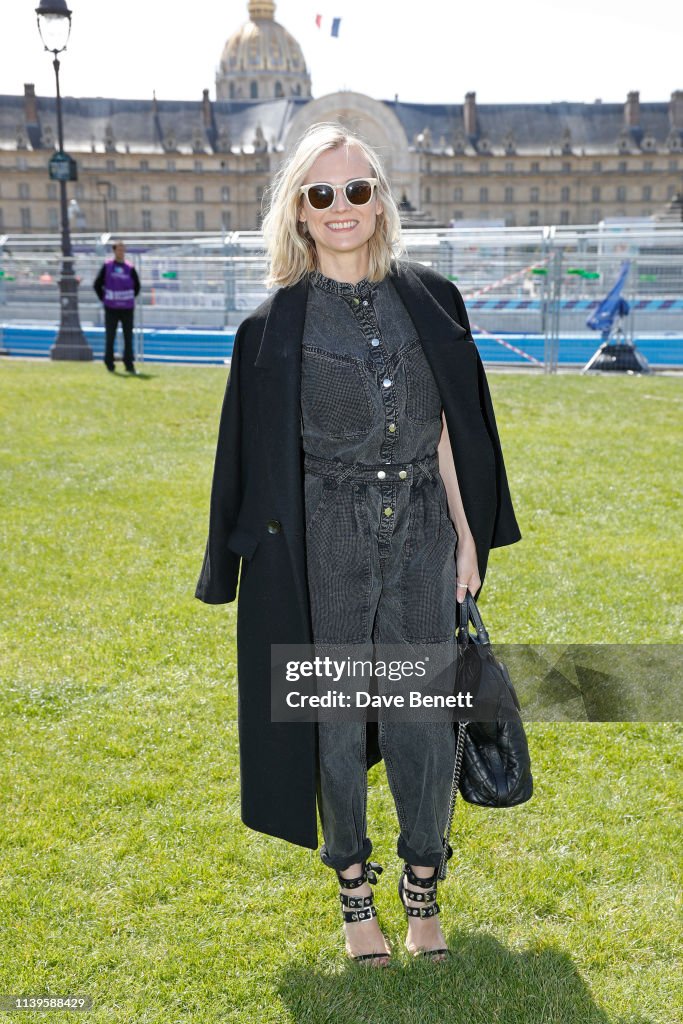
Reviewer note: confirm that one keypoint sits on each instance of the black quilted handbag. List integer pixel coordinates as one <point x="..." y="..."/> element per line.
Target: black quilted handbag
<point x="492" y="764"/>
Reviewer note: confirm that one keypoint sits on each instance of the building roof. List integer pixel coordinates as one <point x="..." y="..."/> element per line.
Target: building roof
<point x="99" y="124"/>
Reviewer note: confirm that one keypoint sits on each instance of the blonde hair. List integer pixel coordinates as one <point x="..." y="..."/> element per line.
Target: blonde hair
<point x="291" y="251"/>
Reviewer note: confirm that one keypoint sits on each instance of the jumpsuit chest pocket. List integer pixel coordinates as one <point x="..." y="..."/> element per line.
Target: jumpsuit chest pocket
<point x="334" y="395"/>
<point x="423" y="399"/>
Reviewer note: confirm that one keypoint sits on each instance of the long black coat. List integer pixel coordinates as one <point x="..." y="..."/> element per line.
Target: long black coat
<point x="257" y="515"/>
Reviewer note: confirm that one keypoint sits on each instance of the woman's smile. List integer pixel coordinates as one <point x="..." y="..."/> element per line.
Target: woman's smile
<point x="342" y="225"/>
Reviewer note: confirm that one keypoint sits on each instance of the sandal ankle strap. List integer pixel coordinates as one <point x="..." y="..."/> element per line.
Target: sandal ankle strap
<point x="362" y="907"/>
<point x="370" y="871"/>
<point x="424" y="883"/>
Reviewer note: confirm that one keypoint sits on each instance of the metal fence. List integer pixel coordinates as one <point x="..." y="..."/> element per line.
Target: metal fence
<point x="518" y="283"/>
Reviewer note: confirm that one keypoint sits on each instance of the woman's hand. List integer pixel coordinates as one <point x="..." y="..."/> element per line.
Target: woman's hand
<point x="467" y="568"/>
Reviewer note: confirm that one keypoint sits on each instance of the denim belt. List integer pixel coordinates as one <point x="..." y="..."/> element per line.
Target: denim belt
<point x="377" y="472"/>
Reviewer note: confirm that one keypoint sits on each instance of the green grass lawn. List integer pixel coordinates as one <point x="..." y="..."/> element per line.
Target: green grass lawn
<point x="125" y="872"/>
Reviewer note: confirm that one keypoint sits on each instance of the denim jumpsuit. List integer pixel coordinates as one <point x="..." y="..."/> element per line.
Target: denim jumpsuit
<point x="380" y="549"/>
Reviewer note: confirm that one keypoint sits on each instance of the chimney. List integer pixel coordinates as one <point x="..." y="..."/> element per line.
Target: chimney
<point x="676" y="110"/>
<point x="30" y="104"/>
<point x="206" y="108"/>
<point x="470" y="114"/>
<point x="632" y="110"/>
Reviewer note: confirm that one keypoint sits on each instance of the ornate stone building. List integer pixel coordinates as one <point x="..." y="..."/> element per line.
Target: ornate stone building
<point x="192" y="166"/>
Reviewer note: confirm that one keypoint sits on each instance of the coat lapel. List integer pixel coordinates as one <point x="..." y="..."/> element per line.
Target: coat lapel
<point x="278" y="366"/>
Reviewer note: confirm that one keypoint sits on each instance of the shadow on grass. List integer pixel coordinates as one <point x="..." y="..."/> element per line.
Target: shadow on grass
<point x="138" y="375"/>
<point x="482" y="982"/>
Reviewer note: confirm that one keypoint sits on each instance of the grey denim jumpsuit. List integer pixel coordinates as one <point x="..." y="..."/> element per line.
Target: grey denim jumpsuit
<point x="380" y="547"/>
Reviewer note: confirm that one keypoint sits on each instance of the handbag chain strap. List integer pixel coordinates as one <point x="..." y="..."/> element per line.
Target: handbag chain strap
<point x="459" y="748"/>
<point x="468" y="610"/>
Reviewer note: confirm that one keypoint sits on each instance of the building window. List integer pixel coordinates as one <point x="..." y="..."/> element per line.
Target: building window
<point x="595" y="194"/>
<point x="533" y="217"/>
<point x="113" y="216"/>
<point x="170" y="165"/>
<point x="199" y="220"/>
<point x="566" y="167"/>
<point x="111" y="165"/>
<point x="457" y="194"/>
<point x="483" y="194"/>
<point x="199" y="194"/>
<point x="225" y="220"/>
<point x="673" y="165"/>
<point x="52" y="219"/>
<point x="457" y="215"/>
<point x="225" y="194"/>
<point x="457" y="167"/>
<point x="253" y="90"/>
<point x="22" y="165"/>
<point x="647" y="166"/>
<point x="670" y="191"/>
<point x="535" y="168"/>
<point x="621" y="194"/>
<point x="279" y="91"/>
<point x="79" y="192"/>
<point x="146" y="220"/>
<point x="173" y="220"/>
<point x="510" y="219"/>
<point x="172" y="194"/>
<point x="509" y="167"/>
<point x="564" y="216"/>
<point x="145" y="196"/>
<point x="198" y="166"/>
<point x="564" y="196"/>
<point x="25" y="214"/>
<point x="534" y="194"/>
<point x="24" y="190"/>
<point x="484" y="167"/>
<point x="144" y="165"/>
<point x="623" y="166"/>
<point x="52" y="190"/>
<point x="509" y="194"/>
<point x="597" y="166"/>
<point x="647" y="193"/>
<point x="428" y="195"/>
<point x="596" y="216"/>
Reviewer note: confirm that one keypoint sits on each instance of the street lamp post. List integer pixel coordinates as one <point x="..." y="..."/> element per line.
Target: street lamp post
<point x="54" y="25"/>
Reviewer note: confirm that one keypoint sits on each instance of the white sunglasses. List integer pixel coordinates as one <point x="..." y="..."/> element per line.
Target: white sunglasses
<point x="321" y="194"/>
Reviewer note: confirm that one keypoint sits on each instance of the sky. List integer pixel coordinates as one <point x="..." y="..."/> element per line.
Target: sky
<point x="426" y="51"/>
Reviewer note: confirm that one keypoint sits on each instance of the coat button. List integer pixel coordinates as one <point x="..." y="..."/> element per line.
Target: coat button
<point x="392" y="427"/>
<point x="388" y="511"/>
<point x="381" y="474"/>
<point x="273" y="526"/>
<point x="402" y="474"/>
<point x="375" y="342"/>
<point x="386" y="382"/>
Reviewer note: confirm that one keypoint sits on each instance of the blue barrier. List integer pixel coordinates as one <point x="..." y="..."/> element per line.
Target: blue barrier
<point x="214" y="347"/>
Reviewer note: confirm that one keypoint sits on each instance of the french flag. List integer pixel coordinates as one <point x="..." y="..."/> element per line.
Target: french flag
<point x="334" y="29"/>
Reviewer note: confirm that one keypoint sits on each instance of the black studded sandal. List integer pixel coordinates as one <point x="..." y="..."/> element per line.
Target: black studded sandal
<point x="361" y="908"/>
<point x="427" y="896"/>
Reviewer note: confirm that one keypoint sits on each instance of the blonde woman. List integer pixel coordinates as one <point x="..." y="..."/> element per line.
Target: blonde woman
<point x="359" y="478"/>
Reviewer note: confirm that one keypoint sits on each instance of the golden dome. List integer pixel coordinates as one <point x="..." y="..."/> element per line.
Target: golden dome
<point x="262" y="47"/>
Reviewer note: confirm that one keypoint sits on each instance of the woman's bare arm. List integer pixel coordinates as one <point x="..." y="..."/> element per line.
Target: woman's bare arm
<point x="466" y="554"/>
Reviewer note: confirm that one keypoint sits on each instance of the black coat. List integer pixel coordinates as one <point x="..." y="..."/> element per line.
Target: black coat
<point x="257" y="515"/>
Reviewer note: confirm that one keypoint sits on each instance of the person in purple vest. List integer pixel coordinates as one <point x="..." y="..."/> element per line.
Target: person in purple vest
<point x="117" y="286"/>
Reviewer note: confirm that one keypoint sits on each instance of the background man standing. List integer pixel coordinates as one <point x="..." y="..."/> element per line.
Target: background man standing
<point x="117" y="286"/>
